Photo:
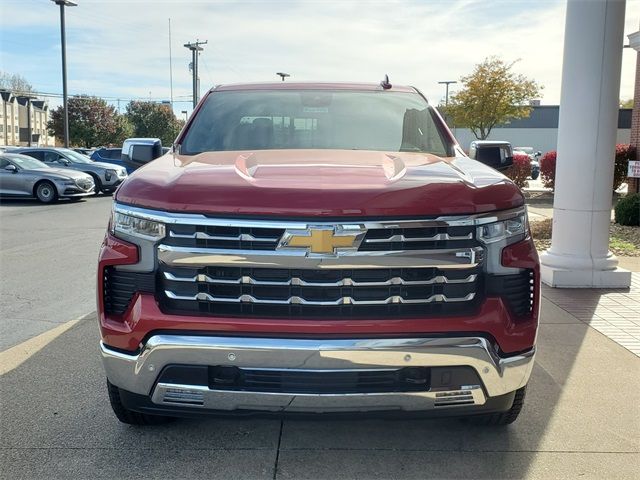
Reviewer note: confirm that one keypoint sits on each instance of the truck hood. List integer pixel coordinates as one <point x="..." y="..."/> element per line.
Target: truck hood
<point x="319" y="183"/>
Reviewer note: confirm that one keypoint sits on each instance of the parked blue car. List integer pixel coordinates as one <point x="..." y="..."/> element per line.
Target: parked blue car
<point x="110" y="155"/>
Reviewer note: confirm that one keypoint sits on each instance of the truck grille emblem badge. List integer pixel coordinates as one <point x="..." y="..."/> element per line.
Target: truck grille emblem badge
<point x="320" y="240"/>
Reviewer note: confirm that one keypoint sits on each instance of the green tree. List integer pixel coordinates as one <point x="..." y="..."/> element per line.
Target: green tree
<point x="151" y="119"/>
<point x="92" y="122"/>
<point x="124" y="130"/>
<point x="15" y="83"/>
<point x="628" y="103"/>
<point x="491" y="95"/>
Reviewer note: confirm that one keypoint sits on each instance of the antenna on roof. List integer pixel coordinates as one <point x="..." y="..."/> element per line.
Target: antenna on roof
<point x="385" y="83"/>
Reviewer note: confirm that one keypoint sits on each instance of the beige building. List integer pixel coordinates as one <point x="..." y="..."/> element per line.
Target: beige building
<point x="20" y="115"/>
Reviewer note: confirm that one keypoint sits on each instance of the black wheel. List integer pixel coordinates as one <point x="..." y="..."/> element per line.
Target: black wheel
<point x="535" y="175"/>
<point x="97" y="182"/>
<point x="46" y="192"/>
<point x="128" y="416"/>
<point x="503" y="418"/>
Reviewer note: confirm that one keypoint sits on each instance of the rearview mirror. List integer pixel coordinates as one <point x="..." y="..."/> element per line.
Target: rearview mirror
<point x="11" y="168"/>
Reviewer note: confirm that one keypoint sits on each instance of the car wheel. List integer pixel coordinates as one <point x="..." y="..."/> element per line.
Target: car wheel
<point x="46" y="192"/>
<point x="129" y="416"/>
<point x="535" y="175"/>
<point x="503" y="418"/>
<point x="97" y="183"/>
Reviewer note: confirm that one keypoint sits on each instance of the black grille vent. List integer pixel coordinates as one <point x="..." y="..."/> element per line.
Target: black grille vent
<point x="120" y="287"/>
<point x="517" y="290"/>
<point x="233" y="238"/>
<point x="205" y="281"/>
<point x="410" y="379"/>
<point x="426" y="238"/>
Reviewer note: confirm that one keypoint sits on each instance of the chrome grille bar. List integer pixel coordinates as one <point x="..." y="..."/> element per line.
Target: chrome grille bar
<point x="296" y="300"/>
<point x="296" y="281"/>
<point x="244" y="237"/>
<point x="403" y="238"/>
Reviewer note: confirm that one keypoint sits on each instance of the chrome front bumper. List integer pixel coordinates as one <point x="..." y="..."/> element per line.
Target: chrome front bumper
<point x="138" y="373"/>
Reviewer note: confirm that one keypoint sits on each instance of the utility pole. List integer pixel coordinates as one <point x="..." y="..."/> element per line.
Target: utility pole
<point x="64" y="3"/>
<point x="195" y="52"/>
<point x="447" y="83"/>
<point x="282" y="75"/>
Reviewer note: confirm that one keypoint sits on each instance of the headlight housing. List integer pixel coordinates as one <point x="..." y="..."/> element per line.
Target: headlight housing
<point x="108" y="174"/>
<point x="510" y="229"/>
<point x="137" y="227"/>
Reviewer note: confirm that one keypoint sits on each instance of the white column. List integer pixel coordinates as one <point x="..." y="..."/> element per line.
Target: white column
<point x="579" y="255"/>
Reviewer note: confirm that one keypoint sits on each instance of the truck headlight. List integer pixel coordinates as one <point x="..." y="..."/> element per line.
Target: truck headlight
<point x="137" y="227"/>
<point x="505" y="229"/>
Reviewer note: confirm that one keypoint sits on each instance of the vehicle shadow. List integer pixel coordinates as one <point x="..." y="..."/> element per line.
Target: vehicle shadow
<point x="33" y="202"/>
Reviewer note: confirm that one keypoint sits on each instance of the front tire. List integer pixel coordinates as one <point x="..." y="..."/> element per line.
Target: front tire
<point x="129" y="416"/>
<point x="97" y="183"/>
<point x="46" y="192"/>
<point x="504" y="418"/>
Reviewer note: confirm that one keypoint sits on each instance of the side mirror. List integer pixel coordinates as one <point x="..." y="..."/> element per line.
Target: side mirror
<point x="64" y="161"/>
<point x="538" y="154"/>
<point x="135" y="155"/>
<point x="11" y="168"/>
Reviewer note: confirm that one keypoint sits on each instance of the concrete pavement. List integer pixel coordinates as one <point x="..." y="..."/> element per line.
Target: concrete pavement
<point x="581" y="420"/>
<point x="48" y="261"/>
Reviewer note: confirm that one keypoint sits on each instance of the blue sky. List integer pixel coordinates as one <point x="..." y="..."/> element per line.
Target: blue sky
<point x="120" y="49"/>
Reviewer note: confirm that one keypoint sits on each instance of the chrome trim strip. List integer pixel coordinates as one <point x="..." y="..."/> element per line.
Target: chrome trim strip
<point x="460" y="258"/>
<point x="202" y="397"/>
<point x="296" y="300"/>
<point x="403" y="238"/>
<point x="346" y="224"/>
<point x="298" y="282"/>
<point x="134" y="372"/>
<point x="245" y="237"/>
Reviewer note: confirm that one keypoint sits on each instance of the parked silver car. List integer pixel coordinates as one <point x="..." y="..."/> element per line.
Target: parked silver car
<point x="23" y="176"/>
<point x="106" y="176"/>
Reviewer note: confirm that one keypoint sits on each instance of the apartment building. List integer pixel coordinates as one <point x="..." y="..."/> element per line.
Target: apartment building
<point x="21" y="115"/>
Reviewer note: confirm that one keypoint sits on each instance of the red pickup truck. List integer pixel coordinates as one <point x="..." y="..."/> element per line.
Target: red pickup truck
<point x="317" y="247"/>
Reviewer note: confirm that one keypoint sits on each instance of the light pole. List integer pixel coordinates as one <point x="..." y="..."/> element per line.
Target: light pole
<point x="184" y="112"/>
<point x="282" y="75"/>
<point x="447" y="83"/>
<point x="64" y="3"/>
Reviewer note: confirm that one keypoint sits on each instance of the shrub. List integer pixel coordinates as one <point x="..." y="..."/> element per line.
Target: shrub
<point x="520" y="170"/>
<point x="624" y="153"/>
<point x="628" y="210"/>
<point x="548" y="169"/>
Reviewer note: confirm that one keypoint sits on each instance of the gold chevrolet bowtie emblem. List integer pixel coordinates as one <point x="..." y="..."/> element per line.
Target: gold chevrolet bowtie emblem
<point x="321" y="241"/>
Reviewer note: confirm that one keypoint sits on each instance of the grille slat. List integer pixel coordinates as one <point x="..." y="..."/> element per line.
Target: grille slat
<point x="349" y="293"/>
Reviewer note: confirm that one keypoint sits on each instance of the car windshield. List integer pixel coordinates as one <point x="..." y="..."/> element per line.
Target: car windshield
<point x="26" y="162"/>
<point x="315" y="119"/>
<point x="75" y="157"/>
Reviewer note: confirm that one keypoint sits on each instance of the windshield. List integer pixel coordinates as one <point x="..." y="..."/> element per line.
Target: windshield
<point x="316" y="119"/>
<point x="26" y="162"/>
<point x="75" y="157"/>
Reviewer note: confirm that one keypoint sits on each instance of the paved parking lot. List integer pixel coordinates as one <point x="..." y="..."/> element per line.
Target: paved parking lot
<point x="581" y="417"/>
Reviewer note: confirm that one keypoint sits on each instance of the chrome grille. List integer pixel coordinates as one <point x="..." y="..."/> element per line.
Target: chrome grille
<point x="317" y="293"/>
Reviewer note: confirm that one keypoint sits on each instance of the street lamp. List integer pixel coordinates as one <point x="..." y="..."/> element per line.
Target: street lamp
<point x="185" y="115"/>
<point x="447" y="83"/>
<point x="282" y="75"/>
<point x="64" y="3"/>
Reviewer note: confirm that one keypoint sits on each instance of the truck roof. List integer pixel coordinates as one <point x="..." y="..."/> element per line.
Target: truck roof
<point x="312" y="86"/>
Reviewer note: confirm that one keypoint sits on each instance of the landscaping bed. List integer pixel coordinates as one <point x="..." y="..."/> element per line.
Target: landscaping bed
<point x="624" y="241"/>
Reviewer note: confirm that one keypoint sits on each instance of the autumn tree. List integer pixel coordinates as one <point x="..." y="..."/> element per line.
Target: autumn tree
<point x="491" y="95"/>
<point x="92" y="122"/>
<point x="628" y="103"/>
<point x="151" y="119"/>
<point x="15" y="83"/>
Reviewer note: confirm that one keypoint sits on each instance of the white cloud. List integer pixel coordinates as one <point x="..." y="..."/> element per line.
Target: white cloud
<point x="120" y="48"/>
